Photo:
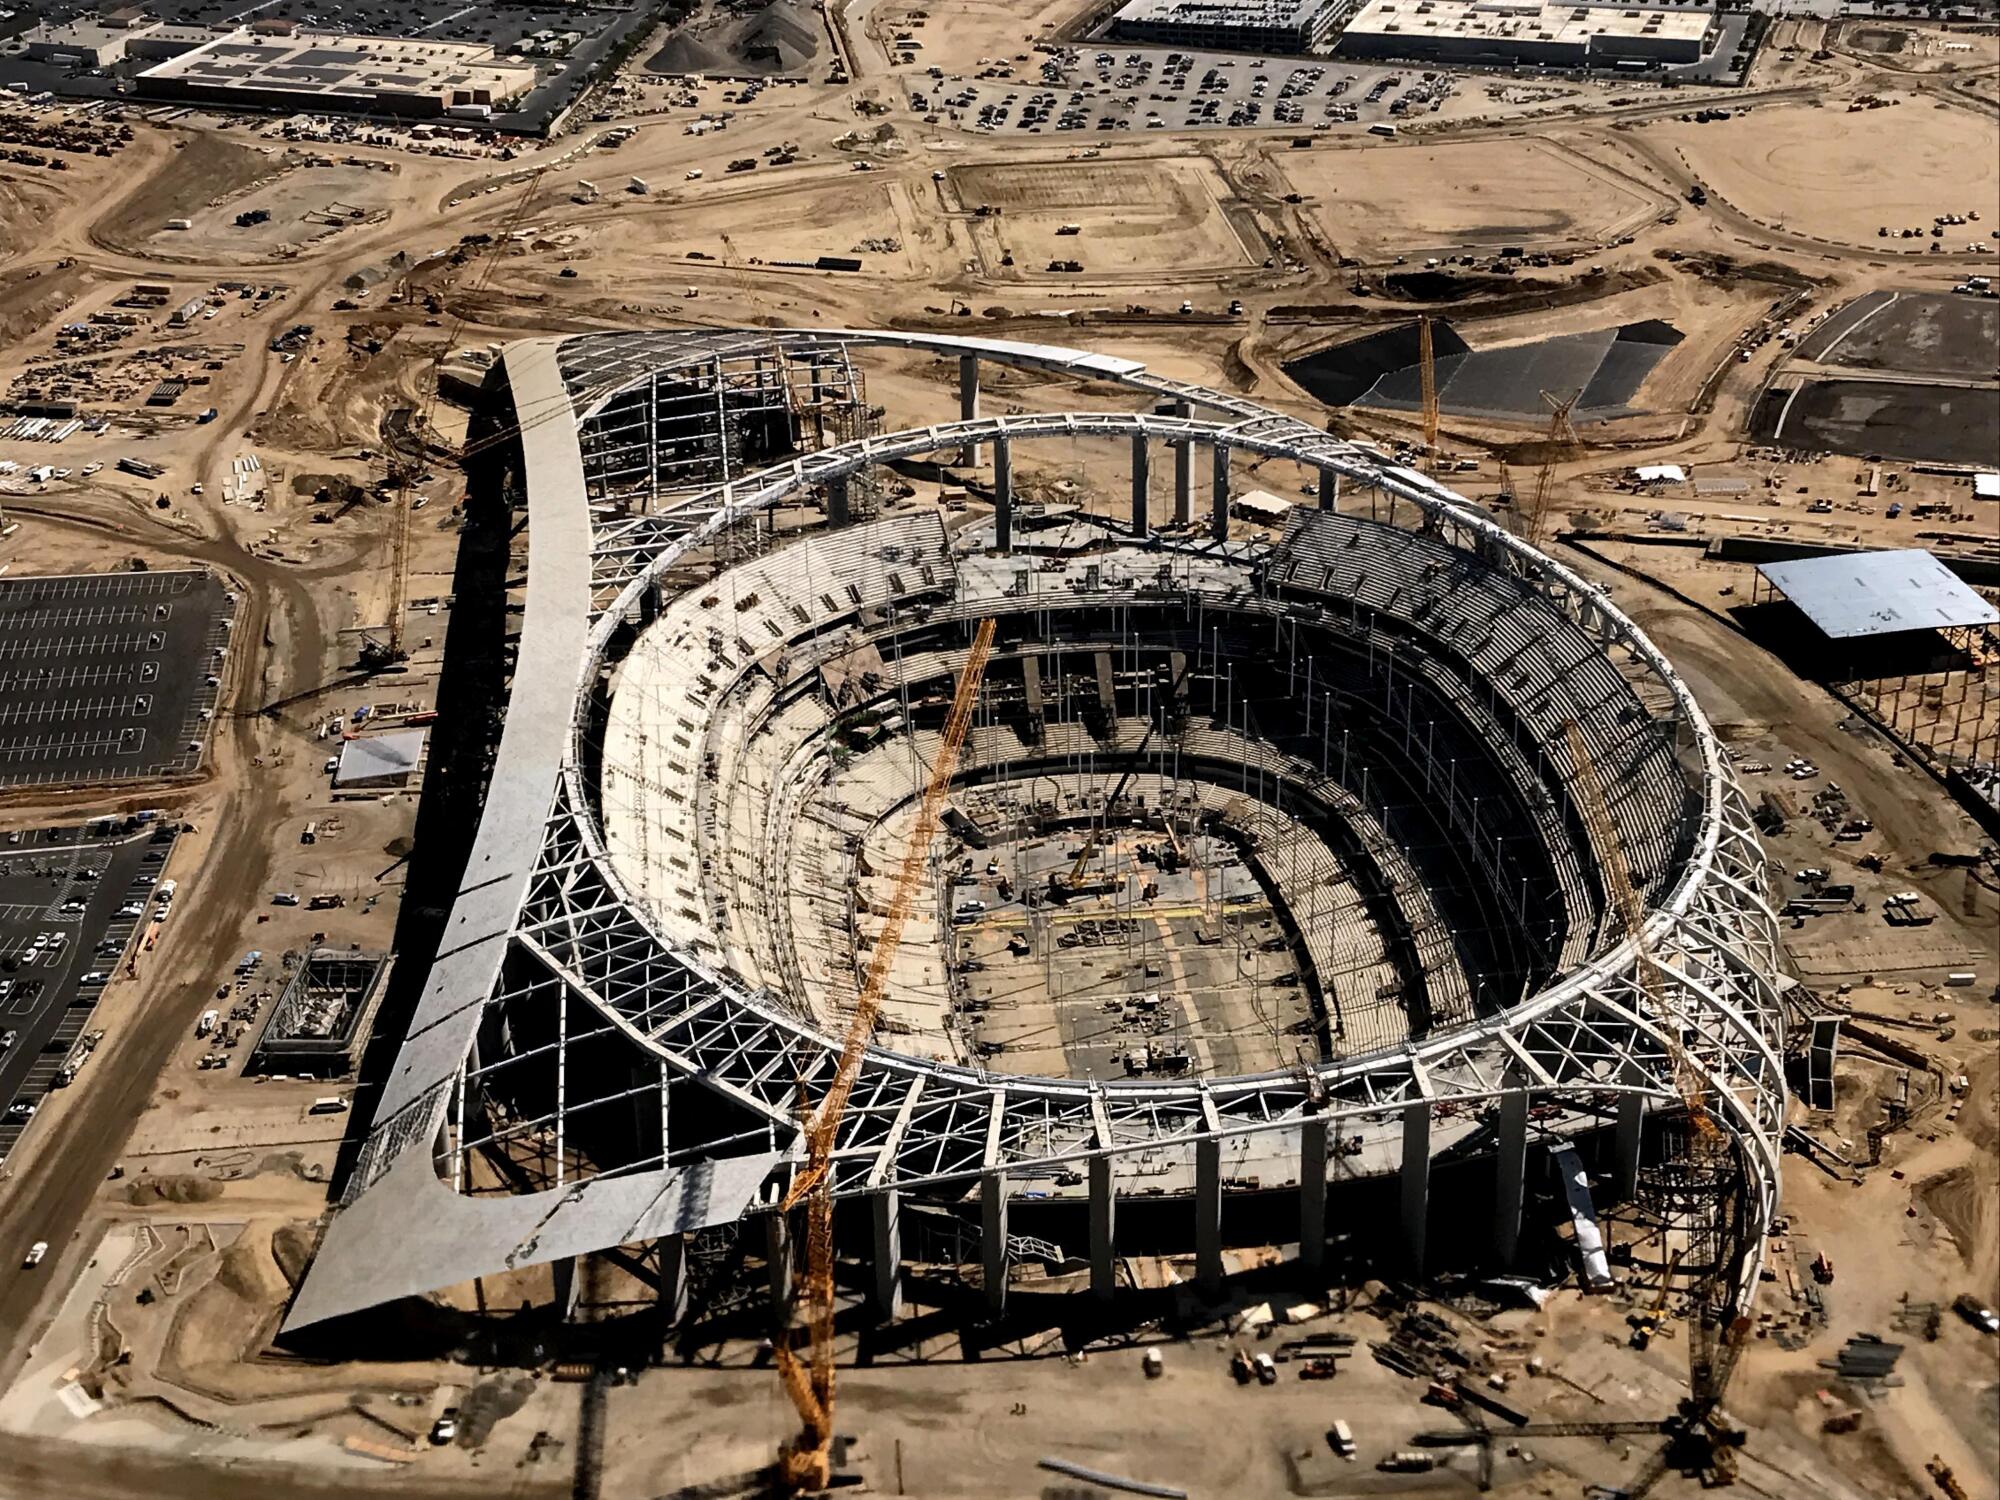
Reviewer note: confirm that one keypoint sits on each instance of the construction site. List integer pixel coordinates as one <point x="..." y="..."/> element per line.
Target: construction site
<point x="882" y="790"/>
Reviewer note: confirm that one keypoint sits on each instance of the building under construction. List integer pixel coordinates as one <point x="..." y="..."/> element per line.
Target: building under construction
<point x="1282" y="878"/>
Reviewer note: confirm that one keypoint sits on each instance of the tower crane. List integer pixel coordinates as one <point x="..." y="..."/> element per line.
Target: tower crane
<point x="1555" y="448"/>
<point x="806" y="1464"/>
<point x="1697" y="1436"/>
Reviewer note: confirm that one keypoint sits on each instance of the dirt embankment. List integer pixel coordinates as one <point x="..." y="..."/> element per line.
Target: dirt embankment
<point x="205" y="168"/>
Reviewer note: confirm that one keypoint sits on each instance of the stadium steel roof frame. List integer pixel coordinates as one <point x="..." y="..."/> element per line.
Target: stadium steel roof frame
<point x="540" y="889"/>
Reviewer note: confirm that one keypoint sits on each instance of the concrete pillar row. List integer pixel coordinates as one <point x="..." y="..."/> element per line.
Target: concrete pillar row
<point x="993" y="1239"/>
<point x="1219" y="492"/>
<point x="968" y="403"/>
<point x="1142" y="484"/>
<point x="886" y="1214"/>
<point x="1416" y="1182"/>
<point x="1312" y="1194"/>
<point x="1208" y="1214"/>
<point x="1329" y="489"/>
<point x="1510" y="1172"/>
<point x="1183" y="474"/>
<point x="1003" y="493"/>
<point x="1103" y="1228"/>
<point x="778" y="1265"/>
<point x="672" y="1252"/>
<point x="1626" y="1138"/>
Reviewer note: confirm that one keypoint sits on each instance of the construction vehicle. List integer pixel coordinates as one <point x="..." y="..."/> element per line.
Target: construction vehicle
<point x="806" y="1464"/>
<point x="1646" y="1323"/>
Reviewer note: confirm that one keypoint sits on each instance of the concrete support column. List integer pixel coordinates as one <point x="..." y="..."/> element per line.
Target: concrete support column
<point x="1219" y="492"/>
<point x="778" y="1264"/>
<point x="1208" y="1214"/>
<point x="672" y="1251"/>
<point x="1103" y="1229"/>
<point x="886" y="1211"/>
<point x="968" y="403"/>
<point x="1416" y="1180"/>
<point x="1183" y="475"/>
<point x="1142" y="484"/>
<point x="1510" y="1172"/>
<point x="1312" y="1194"/>
<point x="993" y="1238"/>
<point x="1329" y="489"/>
<point x="568" y="1283"/>
<point x="1003" y="493"/>
<point x="836" y="501"/>
<point x="1625" y="1140"/>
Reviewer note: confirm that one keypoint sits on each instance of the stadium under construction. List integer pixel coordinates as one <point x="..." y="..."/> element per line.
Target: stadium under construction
<point x="1366" y="885"/>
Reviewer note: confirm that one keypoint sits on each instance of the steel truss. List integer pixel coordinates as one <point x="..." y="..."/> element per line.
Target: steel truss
<point x="553" y="926"/>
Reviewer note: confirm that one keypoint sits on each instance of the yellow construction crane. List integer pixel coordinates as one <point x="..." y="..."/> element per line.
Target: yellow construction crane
<point x="1705" y="1153"/>
<point x="806" y="1465"/>
<point x="1427" y="365"/>
<point x="1555" y="448"/>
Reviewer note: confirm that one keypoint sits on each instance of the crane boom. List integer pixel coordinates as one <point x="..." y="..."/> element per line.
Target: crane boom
<point x="807" y="1460"/>
<point x="1554" y="449"/>
<point x="1428" y="365"/>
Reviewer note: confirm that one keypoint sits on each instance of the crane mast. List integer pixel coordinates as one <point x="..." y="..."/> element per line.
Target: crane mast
<point x="1704" y="1155"/>
<point x="807" y="1461"/>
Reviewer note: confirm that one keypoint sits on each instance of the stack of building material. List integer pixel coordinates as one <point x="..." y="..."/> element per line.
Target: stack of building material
<point x="1865" y="1357"/>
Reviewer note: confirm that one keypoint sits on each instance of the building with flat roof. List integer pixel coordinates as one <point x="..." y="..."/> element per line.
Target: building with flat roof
<point x="1569" y="34"/>
<point x="85" y="44"/>
<point x="1234" y="25"/>
<point x="326" y="71"/>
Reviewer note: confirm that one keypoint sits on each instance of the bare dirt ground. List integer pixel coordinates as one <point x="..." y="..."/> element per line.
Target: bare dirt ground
<point x="1472" y="195"/>
<point x="1823" y="171"/>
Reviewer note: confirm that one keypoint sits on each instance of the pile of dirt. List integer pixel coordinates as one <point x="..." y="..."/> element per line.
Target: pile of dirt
<point x="145" y="1191"/>
<point x="784" y="38"/>
<point x="291" y="1250"/>
<point x="684" y="53"/>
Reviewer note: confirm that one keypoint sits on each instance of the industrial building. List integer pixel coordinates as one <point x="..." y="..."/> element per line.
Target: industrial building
<point x="1570" y="34"/>
<point x="1288" y="869"/>
<point x="262" y="67"/>
<point x="1230" y="25"/>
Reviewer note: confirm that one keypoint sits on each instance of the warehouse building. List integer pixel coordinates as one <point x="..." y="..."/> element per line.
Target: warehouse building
<point x="1569" y="34"/>
<point x="270" y="68"/>
<point x="1232" y="25"/>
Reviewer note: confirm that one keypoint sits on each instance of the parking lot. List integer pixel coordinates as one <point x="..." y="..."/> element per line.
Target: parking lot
<point x="73" y="901"/>
<point x="1096" y="90"/>
<point x="106" y="676"/>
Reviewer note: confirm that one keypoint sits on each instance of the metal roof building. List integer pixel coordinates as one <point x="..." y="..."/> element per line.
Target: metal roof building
<point x="1855" y="594"/>
<point x="380" y="758"/>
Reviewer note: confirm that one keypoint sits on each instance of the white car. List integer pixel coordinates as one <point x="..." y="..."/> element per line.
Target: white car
<point x="34" y="1256"/>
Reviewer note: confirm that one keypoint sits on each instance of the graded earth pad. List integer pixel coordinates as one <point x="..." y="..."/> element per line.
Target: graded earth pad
<point x="1379" y="199"/>
<point x="1917" y="333"/>
<point x="1835" y="174"/>
<point x="1150" y="215"/>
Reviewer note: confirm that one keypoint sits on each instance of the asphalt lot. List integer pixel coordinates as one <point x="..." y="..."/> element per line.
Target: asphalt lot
<point x="107" y="676"/>
<point x="1092" y="89"/>
<point x="1895" y="419"/>
<point x="71" y="901"/>
<point x="1915" y="333"/>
